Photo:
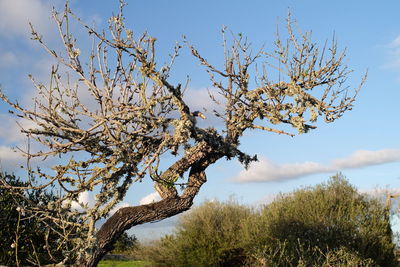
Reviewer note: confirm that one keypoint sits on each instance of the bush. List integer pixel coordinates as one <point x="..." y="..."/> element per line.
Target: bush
<point x="326" y="225"/>
<point x="208" y="235"/>
<point x="306" y="256"/>
<point x="327" y="218"/>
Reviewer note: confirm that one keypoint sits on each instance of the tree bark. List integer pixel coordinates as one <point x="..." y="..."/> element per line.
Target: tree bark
<point x="125" y="218"/>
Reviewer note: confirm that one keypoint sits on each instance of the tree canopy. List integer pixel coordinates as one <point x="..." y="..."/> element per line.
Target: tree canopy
<point x="137" y="117"/>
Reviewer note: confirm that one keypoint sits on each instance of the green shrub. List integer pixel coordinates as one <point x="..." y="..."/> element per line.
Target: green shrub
<point x="208" y="235"/>
<point x="327" y="225"/>
<point x="280" y="254"/>
<point x="325" y="219"/>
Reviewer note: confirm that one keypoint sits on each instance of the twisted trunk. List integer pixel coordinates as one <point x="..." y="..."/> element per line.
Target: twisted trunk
<point x="127" y="217"/>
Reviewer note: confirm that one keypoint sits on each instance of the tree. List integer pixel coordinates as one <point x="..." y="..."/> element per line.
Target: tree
<point x="125" y="243"/>
<point x="25" y="239"/>
<point x="139" y="116"/>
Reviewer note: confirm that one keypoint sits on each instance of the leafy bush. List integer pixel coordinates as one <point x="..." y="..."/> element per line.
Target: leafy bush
<point x="306" y="256"/>
<point x="327" y="218"/>
<point x="327" y="225"/>
<point x="208" y="235"/>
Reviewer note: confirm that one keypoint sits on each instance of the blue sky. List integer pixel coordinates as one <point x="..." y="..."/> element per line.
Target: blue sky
<point x="364" y="144"/>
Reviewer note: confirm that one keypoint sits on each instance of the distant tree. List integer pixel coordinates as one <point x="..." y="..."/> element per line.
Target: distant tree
<point x="138" y="116"/>
<point x="125" y="243"/>
<point x="25" y="239"/>
<point x="309" y="223"/>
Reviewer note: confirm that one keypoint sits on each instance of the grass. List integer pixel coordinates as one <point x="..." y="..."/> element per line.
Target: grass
<point x="120" y="263"/>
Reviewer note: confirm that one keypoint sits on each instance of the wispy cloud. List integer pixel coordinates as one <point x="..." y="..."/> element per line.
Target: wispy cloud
<point x="86" y="200"/>
<point x="11" y="138"/>
<point x="200" y="100"/>
<point x="364" y="158"/>
<point x="8" y="60"/>
<point x="11" y="128"/>
<point x="153" y="197"/>
<point x="381" y="193"/>
<point x="394" y="52"/>
<point x="15" y="16"/>
<point x="265" y="170"/>
<point x="10" y="160"/>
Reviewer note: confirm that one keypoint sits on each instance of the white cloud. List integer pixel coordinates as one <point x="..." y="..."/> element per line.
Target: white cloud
<point x="12" y="159"/>
<point x="11" y="140"/>
<point x="9" y="159"/>
<point x="199" y="100"/>
<point x="8" y="59"/>
<point x="11" y="128"/>
<point x="84" y="199"/>
<point x="396" y="42"/>
<point x="153" y="197"/>
<point x="394" y="53"/>
<point x="380" y="193"/>
<point x="118" y="206"/>
<point x="265" y="170"/>
<point x="16" y="14"/>
<point x="363" y="158"/>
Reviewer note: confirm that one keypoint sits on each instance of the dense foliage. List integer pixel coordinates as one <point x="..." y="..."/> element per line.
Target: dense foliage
<point x="209" y="235"/>
<point x="328" y="217"/>
<point x="125" y="243"/>
<point x="28" y="244"/>
<point x="24" y="238"/>
<point x="327" y="225"/>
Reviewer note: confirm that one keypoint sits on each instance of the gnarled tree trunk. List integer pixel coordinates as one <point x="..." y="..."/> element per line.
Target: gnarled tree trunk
<point x="126" y="218"/>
